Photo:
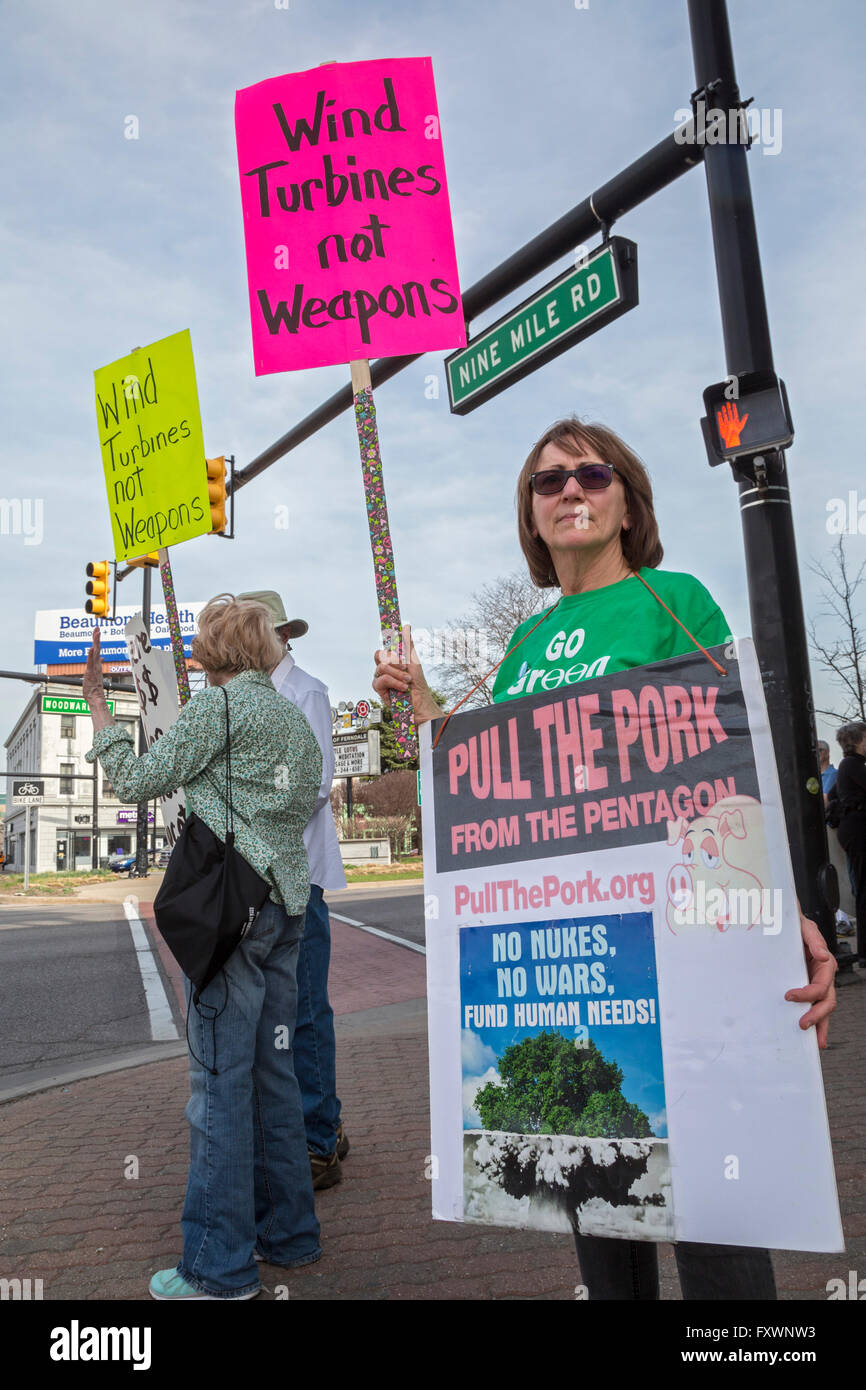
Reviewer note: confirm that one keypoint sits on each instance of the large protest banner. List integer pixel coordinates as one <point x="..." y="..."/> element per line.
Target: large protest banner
<point x="152" y="447"/>
<point x="612" y="927"/>
<point x="350" y="252"/>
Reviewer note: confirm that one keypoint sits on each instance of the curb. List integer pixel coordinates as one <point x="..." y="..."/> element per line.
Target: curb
<point x="161" y="1052"/>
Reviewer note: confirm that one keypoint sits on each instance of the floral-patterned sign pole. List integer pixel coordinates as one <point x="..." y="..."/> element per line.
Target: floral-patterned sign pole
<point x="380" y="540"/>
<point x="174" y="626"/>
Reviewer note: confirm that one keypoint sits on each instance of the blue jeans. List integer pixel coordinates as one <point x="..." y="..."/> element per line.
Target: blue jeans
<point x="249" y="1174"/>
<point x="629" y="1270"/>
<point x="314" y="1044"/>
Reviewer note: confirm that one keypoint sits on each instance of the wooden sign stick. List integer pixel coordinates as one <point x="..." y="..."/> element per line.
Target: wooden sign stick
<point x="380" y="540"/>
<point x="174" y="626"/>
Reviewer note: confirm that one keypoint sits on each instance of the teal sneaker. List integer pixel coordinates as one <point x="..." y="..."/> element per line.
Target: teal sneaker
<point x="169" y="1284"/>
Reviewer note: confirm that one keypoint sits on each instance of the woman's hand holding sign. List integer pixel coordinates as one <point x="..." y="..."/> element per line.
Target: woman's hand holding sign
<point x="92" y="687"/>
<point x="394" y="673"/>
<point x="820" y="992"/>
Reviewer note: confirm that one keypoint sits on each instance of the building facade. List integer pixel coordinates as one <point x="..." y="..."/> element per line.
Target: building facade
<point x="50" y="740"/>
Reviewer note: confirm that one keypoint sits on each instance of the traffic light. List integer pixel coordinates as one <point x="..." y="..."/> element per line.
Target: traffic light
<point x="216" y="491"/>
<point x="99" y="588"/>
<point x="144" y="561"/>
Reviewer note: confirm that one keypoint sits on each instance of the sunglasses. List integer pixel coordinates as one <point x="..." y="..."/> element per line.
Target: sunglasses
<point x="591" y="476"/>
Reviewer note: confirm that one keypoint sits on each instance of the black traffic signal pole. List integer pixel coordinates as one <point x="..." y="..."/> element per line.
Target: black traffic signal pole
<point x="665" y="162"/>
<point x="774" y="592"/>
<point x="775" y="599"/>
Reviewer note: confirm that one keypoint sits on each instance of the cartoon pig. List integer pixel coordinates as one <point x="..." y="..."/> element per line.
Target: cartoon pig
<point x="722" y="876"/>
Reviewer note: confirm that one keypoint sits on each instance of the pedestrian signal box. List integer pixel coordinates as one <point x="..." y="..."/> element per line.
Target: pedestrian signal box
<point x="746" y="415"/>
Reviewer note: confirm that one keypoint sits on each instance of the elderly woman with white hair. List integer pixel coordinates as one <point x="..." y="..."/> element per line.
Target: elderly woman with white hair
<point x="249" y="1194"/>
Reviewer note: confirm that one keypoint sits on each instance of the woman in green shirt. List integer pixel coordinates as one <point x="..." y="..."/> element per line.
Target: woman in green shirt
<point x="586" y="525"/>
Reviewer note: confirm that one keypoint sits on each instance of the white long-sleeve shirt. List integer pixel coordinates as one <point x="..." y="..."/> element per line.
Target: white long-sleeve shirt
<point x="320" y="835"/>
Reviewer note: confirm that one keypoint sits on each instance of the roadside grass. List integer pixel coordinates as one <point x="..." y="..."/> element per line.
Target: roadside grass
<point x="53" y="885"/>
<point x="385" y="873"/>
<point x="63" y="885"/>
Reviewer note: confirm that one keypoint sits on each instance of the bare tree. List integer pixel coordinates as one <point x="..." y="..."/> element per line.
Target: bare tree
<point x="465" y="650"/>
<point x="841" y="646"/>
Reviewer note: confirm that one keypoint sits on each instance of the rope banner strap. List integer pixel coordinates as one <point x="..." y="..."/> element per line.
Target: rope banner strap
<point x="549" y="614"/>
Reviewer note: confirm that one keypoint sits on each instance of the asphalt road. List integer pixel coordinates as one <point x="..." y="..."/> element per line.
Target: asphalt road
<point x="72" y="1001"/>
<point x="397" y="908"/>
<point x="71" y="993"/>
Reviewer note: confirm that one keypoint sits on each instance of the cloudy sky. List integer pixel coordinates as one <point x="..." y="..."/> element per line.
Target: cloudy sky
<point x="110" y="242"/>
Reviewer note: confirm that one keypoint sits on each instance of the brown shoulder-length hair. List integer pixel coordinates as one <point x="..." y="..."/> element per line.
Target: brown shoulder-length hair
<point x="236" y="635"/>
<point x="640" y="543"/>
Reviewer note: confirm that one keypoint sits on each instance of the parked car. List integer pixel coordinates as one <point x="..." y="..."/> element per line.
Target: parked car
<point x="163" y="857"/>
<point x="121" y="863"/>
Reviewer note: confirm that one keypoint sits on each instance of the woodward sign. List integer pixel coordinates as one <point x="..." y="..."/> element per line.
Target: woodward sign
<point x="616" y="928"/>
<point x="69" y="704"/>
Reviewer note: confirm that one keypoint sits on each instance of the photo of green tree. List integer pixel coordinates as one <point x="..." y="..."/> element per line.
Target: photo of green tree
<point x="551" y="1086"/>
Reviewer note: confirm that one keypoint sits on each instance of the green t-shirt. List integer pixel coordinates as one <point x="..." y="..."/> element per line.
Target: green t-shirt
<point x="610" y="629"/>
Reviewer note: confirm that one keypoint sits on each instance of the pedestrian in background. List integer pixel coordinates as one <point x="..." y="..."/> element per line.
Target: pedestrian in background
<point x="828" y="771"/>
<point x="851" y="791"/>
<point x="249" y="1190"/>
<point x="838" y="858"/>
<point x="314" y="1044"/>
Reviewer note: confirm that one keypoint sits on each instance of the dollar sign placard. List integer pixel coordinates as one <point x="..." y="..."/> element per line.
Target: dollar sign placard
<point x="153" y="673"/>
<point x="147" y="682"/>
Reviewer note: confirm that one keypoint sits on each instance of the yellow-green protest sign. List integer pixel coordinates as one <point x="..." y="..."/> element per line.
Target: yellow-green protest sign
<point x="152" y="447"/>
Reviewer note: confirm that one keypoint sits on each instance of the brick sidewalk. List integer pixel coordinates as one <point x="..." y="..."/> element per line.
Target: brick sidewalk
<point x="75" y="1221"/>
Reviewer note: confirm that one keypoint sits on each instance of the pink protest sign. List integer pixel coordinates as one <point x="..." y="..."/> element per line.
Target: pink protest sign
<point x="350" y="252"/>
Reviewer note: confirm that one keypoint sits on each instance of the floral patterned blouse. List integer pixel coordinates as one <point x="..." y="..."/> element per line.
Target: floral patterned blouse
<point x="276" y="769"/>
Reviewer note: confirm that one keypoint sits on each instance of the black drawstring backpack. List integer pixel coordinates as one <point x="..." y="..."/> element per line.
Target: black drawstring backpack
<point x="210" y="895"/>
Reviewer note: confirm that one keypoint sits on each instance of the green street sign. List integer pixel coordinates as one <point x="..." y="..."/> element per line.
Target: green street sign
<point x="570" y="308"/>
<point x="69" y="704"/>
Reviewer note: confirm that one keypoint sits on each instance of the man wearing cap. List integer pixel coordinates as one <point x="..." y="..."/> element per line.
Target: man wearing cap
<point x="314" y="1045"/>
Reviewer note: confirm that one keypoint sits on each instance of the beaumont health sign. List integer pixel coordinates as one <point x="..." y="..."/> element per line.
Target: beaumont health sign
<point x="64" y="636"/>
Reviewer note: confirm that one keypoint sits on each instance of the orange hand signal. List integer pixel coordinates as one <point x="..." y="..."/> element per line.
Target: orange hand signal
<point x="730" y="425"/>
